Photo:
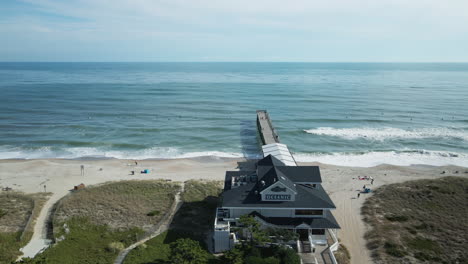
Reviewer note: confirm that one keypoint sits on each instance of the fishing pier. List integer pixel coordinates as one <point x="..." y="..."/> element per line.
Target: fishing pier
<point x="266" y="129"/>
<point x="270" y="140"/>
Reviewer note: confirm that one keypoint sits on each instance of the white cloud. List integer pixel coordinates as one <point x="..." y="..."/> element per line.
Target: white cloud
<point x="213" y="23"/>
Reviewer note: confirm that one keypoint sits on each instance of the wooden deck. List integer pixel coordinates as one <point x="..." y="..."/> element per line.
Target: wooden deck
<point x="265" y="128"/>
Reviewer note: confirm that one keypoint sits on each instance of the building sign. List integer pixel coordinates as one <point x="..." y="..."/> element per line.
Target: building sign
<point x="277" y="197"/>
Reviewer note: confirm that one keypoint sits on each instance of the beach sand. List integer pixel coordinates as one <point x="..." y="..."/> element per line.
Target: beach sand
<point x="60" y="176"/>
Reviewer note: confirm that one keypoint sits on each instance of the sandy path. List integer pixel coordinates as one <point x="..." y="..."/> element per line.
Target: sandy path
<point x="39" y="239"/>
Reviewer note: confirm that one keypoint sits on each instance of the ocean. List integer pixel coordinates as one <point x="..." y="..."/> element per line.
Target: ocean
<point x="357" y="114"/>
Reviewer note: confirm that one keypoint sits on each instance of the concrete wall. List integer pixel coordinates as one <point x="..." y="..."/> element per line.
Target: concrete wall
<point x="221" y="241"/>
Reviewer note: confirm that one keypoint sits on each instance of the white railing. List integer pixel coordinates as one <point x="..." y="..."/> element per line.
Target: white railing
<point x="334" y="247"/>
<point x="336" y="244"/>
<point x="332" y="257"/>
<point x="299" y="248"/>
<point x="221" y="226"/>
<point x="312" y="245"/>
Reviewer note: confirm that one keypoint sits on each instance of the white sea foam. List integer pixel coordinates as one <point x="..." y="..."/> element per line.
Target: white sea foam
<point x="85" y="152"/>
<point x="370" y="159"/>
<point x="403" y="158"/>
<point x="386" y="133"/>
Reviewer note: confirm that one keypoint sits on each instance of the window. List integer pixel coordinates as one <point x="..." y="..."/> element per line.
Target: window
<point x="318" y="231"/>
<point x="309" y="212"/>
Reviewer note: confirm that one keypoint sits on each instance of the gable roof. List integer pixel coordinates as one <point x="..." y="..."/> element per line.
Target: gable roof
<point x="302" y="174"/>
<point x="271" y="175"/>
<point x="270" y="160"/>
<point x="249" y="197"/>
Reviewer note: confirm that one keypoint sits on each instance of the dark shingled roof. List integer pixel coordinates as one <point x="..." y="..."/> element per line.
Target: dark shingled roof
<point x="328" y="221"/>
<point x="270" y="161"/>
<point x="301" y="173"/>
<point x="269" y="171"/>
<point x="306" y="197"/>
<point x="272" y="175"/>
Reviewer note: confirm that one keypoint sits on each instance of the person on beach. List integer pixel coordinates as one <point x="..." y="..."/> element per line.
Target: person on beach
<point x="364" y="187"/>
<point x="136" y="163"/>
<point x="358" y="194"/>
<point x="372" y="181"/>
<point x="82" y="170"/>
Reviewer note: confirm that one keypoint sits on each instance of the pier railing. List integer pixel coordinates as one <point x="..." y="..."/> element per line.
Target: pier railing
<point x="266" y="129"/>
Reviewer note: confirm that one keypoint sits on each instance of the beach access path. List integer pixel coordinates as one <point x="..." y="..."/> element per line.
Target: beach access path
<point x="39" y="240"/>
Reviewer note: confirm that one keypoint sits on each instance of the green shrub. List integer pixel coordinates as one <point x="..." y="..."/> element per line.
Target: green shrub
<point x="187" y="251"/>
<point x="153" y="213"/>
<point x="394" y="250"/>
<point x="115" y="247"/>
<point x="423" y="244"/>
<point x="397" y="218"/>
<point x="260" y="260"/>
<point x="2" y="213"/>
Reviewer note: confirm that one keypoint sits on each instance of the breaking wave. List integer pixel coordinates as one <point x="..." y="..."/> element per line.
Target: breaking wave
<point x="374" y="158"/>
<point x="389" y="133"/>
<point x="89" y="152"/>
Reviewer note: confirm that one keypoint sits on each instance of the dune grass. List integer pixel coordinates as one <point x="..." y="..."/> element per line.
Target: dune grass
<point x="194" y="220"/>
<point x="92" y="225"/>
<point x="17" y="215"/>
<point x="421" y="221"/>
<point x="120" y="205"/>
<point x="88" y="243"/>
<point x="342" y="255"/>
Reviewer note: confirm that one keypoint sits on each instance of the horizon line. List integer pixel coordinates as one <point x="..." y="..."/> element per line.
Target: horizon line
<point x="389" y="62"/>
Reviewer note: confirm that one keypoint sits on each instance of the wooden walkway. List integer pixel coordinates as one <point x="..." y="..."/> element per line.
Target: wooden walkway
<point x="265" y="128"/>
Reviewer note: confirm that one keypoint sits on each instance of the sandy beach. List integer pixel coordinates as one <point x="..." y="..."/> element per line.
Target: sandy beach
<point x="342" y="183"/>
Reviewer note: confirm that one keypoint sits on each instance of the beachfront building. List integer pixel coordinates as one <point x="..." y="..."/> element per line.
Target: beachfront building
<point x="279" y="196"/>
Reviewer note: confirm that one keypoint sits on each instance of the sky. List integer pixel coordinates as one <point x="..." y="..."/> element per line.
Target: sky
<point x="238" y="30"/>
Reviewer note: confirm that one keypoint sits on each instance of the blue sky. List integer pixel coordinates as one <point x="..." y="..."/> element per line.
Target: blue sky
<point x="241" y="30"/>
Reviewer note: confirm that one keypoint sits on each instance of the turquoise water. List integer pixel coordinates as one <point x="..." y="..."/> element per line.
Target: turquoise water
<point x="360" y="114"/>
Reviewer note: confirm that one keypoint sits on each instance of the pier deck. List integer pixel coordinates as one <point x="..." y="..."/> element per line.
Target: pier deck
<point x="265" y="127"/>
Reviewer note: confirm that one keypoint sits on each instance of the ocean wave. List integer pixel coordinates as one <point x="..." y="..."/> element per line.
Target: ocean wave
<point x="387" y="133"/>
<point x="374" y="158"/>
<point x="361" y="159"/>
<point x="47" y="152"/>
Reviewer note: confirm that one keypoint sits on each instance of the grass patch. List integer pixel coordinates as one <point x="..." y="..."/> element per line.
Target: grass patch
<point x="342" y="255"/>
<point x="121" y="205"/>
<point x="153" y="213"/>
<point x="423" y="244"/>
<point x="393" y="249"/>
<point x="88" y="243"/>
<point x="193" y="220"/>
<point x="418" y="221"/>
<point x="2" y="213"/>
<point x="196" y="190"/>
<point x="94" y="224"/>
<point x="17" y="214"/>
<point x="397" y="218"/>
<point x="9" y="247"/>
